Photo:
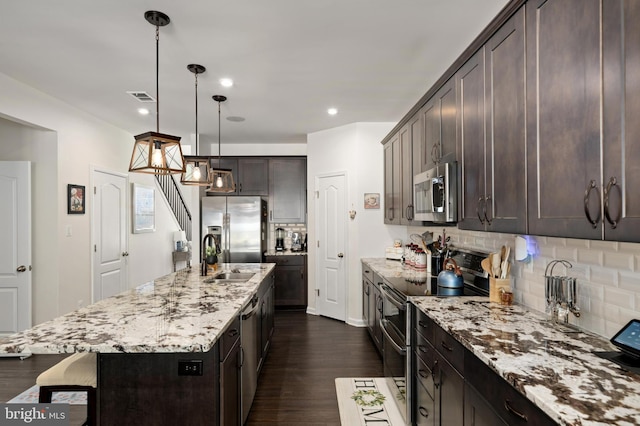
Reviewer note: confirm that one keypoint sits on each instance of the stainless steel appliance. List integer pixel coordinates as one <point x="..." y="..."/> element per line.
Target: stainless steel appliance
<point x="435" y="194"/>
<point x="279" y="239"/>
<point x="243" y="224"/>
<point x="250" y="342"/>
<point x="296" y="241"/>
<point x="396" y="345"/>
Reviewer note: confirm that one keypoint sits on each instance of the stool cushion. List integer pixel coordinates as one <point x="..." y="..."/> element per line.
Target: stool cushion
<point x="78" y="369"/>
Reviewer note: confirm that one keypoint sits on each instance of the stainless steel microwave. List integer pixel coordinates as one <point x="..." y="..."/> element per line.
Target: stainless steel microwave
<point x="435" y="194"/>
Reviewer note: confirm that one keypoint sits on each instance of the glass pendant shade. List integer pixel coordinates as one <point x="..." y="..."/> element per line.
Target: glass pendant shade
<point x="157" y="153"/>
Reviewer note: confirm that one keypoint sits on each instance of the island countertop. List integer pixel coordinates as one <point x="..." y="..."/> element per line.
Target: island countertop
<point x="555" y="370"/>
<point x="179" y="312"/>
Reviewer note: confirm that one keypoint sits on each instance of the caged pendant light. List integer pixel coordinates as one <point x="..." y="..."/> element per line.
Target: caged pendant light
<point x="222" y="178"/>
<point x="197" y="171"/>
<point x="154" y="152"/>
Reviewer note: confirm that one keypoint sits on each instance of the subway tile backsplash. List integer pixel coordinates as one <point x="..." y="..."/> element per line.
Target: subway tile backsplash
<point x="288" y="228"/>
<point x="608" y="274"/>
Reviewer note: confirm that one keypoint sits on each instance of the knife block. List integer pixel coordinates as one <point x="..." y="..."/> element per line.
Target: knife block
<point x="495" y="284"/>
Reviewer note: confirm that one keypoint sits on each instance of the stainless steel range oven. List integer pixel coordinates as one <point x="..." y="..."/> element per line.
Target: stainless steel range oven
<point x="396" y="343"/>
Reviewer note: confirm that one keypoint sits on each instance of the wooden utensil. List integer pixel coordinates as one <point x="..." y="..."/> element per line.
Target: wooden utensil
<point x="486" y="265"/>
<point x="505" y="262"/>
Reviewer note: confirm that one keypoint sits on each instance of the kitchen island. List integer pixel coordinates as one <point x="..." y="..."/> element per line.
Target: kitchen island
<point x="554" y="369"/>
<point x="143" y="335"/>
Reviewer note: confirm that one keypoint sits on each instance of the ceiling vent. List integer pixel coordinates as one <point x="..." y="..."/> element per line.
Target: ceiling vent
<point x="142" y="96"/>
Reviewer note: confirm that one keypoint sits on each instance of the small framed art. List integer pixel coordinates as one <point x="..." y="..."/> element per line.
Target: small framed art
<point x="371" y="200"/>
<point x="75" y="199"/>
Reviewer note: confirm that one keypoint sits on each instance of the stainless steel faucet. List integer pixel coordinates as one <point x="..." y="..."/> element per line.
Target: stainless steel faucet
<point x="203" y="266"/>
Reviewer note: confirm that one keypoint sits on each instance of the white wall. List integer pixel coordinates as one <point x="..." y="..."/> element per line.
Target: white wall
<point x="356" y="150"/>
<point x="73" y="143"/>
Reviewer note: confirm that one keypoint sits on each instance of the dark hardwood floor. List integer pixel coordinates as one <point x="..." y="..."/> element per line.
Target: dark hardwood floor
<point x="296" y="386"/>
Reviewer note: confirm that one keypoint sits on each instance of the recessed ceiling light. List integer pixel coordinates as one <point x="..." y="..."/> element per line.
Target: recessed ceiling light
<point x="332" y="111"/>
<point x="226" y="82"/>
<point x="143" y="111"/>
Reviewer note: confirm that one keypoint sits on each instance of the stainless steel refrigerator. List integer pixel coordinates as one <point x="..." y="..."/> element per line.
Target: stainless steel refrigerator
<point x="240" y="224"/>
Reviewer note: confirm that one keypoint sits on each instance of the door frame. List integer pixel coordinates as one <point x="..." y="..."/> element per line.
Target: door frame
<point x="346" y="259"/>
<point x="92" y="170"/>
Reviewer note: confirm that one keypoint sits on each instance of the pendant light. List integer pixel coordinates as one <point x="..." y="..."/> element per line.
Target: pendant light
<point x="197" y="171"/>
<point x="222" y="178"/>
<point x="154" y="152"/>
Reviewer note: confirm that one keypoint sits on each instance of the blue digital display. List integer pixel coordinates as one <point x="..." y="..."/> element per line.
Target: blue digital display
<point x="628" y="339"/>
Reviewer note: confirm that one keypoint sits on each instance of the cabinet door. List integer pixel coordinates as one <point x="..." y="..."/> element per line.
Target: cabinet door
<point x="470" y="83"/>
<point x="377" y="316"/>
<point x="449" y="394"/>
<point x="477" y="411"/>
<point x="425" y="408"/>
<point x="506" y="191"/>
<point x="253" y="176"/>
<point x="290" y="290"/>
<point x="430" y="151"/>
<point x="406" y="176"/>
<point x="230" y="387"/>
<point x="448" y="124"/>
<point x="392" y="181"/>
<point x="287" y="190"/>
<point x="563" y="123"/>
<point x="621" y="126"/>
<point x="366" y="291"/>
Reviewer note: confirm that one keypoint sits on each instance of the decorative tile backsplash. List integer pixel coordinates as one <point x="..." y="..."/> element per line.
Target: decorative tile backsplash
<point x="608" y="274"/>
<point x="288" y="229"/>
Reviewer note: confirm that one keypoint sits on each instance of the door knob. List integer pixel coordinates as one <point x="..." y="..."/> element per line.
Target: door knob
<point x="340" y="255"/>
<point x="125" y="253"/>
<point x="21" y="268"/>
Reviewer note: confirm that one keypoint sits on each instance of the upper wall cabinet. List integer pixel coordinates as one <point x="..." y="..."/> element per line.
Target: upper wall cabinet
<point x="439" y="121"/>
<point x="621" y="150"/>
<point x="253" y="176"/>
<point x="492" y="119"/>
<point x="392" y="181"/>
<point x="287" y="190"/>
<point x="563" y="125"/>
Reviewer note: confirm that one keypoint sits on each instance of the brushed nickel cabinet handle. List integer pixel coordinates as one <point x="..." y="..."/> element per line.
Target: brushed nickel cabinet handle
<point x="614" y="222"/>
<point x="478" y="210"/>
<point x="487" y="199"/>
<point x="447" y="347"/>
<point x="423" y="412"/>
<point x="587" y="194"/>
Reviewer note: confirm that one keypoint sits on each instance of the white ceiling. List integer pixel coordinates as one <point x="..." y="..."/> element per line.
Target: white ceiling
<point x="290" y="59"/>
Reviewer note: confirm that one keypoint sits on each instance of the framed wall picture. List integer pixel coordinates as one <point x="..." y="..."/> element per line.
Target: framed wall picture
<point x="371" y="200"/>
<point x="144" y="209"/>
<point x="75" y="199"/>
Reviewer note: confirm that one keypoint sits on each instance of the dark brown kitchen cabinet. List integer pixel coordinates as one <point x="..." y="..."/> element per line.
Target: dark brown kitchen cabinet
<point x="372" y="305"/>
<point x="564" y="87"/>
<point x="265" y="318"/>
<point x="621" y="150"/>
<point x="495" y="401"/>
<point x="392" y="181"/>
<point x="491" y="87"/>
<point x="290" y="281"/>
<point x="230" y="375"/>
<point x="439" y="124"/>
<point x="253" y="176"/>
<point x="287" y="190"/>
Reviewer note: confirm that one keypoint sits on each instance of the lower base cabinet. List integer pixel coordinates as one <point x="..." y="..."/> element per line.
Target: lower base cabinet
<point x="230" y="365"/>
<point x="291" y="281"/>
<point x="477" y="411"/>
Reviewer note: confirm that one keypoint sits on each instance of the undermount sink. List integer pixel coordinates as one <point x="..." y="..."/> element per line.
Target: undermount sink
<point x="229" y="277"/>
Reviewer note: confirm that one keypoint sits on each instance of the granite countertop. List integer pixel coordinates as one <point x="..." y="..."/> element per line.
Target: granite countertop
<point x="389" y="268"/>
<point x="287" y="252"/>
<point x="179" y="312"/>
<point x="557" y="371"/>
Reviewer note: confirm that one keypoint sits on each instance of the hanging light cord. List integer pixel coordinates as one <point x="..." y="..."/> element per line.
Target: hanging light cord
<point x="157" y="79"/>
<point x="218" y="134"/>
<point x="196" y="73"/>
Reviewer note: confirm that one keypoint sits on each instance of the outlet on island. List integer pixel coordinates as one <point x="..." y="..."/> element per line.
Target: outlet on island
<point x="190" y="367"/>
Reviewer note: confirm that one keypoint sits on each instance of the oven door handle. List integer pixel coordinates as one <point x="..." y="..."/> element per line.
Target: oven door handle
<point x="394" y="300"/>
<point x="398" y="348"/>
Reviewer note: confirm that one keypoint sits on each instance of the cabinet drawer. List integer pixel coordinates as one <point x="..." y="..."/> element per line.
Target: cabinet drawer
<point x="450" y="348"/>
<point x="294" y="260"/>
<point x="425" y="408"/>
<point x="229" y="338"/>
<point x="425" y="326"/>
<point x="367" y="272"/>
<point x="425" y="359"/>
<point x="507" y="402"/>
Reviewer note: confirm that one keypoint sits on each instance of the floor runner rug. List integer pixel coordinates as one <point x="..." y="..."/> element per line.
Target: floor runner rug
<point x="367" y="401"/>
<point x="30" y="396"/>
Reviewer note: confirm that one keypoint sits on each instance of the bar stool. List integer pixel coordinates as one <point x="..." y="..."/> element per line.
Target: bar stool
<point x="76" y="373"/>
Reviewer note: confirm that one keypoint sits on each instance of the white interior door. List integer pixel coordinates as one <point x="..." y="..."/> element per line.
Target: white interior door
<point x="109" y="234"/>
<point x="332" y="236"/>
<point x="15" y="249"/>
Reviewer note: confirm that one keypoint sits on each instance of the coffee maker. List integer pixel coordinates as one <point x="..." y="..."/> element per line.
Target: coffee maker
<point x="296" y="241"/>
<point x="279" y="239"/>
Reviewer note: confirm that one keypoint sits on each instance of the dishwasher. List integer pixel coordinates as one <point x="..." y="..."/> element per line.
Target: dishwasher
<point x="249" y="343"/>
